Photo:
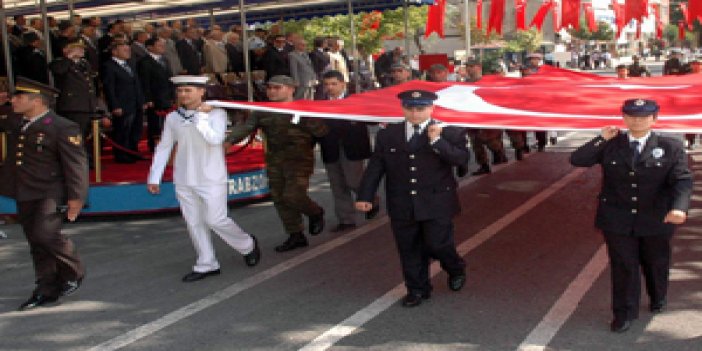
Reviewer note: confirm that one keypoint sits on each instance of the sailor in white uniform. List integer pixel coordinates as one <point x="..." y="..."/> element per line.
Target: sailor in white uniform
<point x="200" y="176"/>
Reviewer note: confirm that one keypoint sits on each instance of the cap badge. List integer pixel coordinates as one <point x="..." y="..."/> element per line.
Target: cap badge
<point x="416" y="94"/>
<point x="639" y="102"/>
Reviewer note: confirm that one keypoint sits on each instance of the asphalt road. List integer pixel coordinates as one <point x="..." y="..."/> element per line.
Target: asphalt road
<point x="537" y="280"/>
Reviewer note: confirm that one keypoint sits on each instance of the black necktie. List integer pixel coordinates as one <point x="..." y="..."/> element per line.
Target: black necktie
<point x="127" y="68"/>
<point x="414" y="140"/>
<point x="635" y="150"/>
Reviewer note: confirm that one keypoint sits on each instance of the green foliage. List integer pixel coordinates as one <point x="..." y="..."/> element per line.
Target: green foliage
<point x="477" y="36"/>
<point x="524" y="41"/>
<point x="670" y="33"/>
<point x="604" y="31"/>
<point x="371" y="28"/>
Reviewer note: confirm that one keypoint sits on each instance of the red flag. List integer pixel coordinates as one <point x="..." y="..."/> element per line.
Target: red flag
<point x="520" y="14"/>
<point x="479" y="14"/>
<point x="435" y="19"/>
<point x="618" y="16"/>
<point x="497" y="14"/>
<point x="540" y="16"/>
<point x="556" y="16"/>
<point x="681" y="30"/>
<point x="638" y="30"/>
<point x="686" y="14"/>
<point x="590" y="16"/>
<point x="657" y="19"/>
<point x="635" y="10"/>
<point x="570" y="14"/>
<point x="575" y="101"/>
<point x="694" y="12"/>
<point x="659" y="30"/>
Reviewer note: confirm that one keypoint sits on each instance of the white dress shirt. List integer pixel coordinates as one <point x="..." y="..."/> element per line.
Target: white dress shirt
<point x="199" y="159"/>
<point x="642" y="140"/>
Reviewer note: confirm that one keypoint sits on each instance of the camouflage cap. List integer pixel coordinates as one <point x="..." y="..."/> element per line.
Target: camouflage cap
<point x="282" y="80"/>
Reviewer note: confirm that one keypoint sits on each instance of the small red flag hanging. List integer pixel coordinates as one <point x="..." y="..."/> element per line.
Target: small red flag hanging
<point x="520" y="14"/>
<point x="497" y="14"/>
<point x="479" y="14"/>
<point x="694" y="12"/>
<point x="590" y="16"/>
<point x="435" y="19"/>
<point x="681" y="30"/>
<point x="570" y="14"/>
<point x="538" y="20"/>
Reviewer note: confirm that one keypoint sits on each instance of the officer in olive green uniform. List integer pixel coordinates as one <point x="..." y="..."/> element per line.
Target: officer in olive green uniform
<point x="289" y="162"/>
<point x="46" y="172"/>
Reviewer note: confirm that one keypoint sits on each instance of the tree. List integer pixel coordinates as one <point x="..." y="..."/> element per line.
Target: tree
<point x="604" y="32"/>
<point x="524" y="41"/>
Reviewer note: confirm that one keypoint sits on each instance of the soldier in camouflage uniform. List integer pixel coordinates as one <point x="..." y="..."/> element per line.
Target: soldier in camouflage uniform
<point x="289" y="162"/>
<point x="482" y="138"/>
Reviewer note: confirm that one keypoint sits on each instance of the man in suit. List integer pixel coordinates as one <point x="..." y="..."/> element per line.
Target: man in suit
<point x="646" y="189"/>
<point x="73" y="77"/>
<point x="31" y="59"/>
<point x="138" y="47"/>
<point x="235" y="53"/>
<point x="114" y="31"/>
<point x="320" y="62"/>
<point x="154" y="74"/>
<point x="87" y="35"/>
<point x="275" y="61"/>
<point x="417" y="157"/>
<point x="125" y="101"/>
<point x="66" y="32"/>
<point x="216" y="59"/>
<point x="673" y="65"/>
<point x="344" y="150"/>
<point x="302" y="71"/>
<point x="46" y="173"/>
<point x="190" y="56"/>
<point x="171" y="54"/>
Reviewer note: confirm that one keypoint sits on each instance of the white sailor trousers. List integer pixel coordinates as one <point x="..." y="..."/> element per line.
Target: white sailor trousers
<point x="205" y="208"/>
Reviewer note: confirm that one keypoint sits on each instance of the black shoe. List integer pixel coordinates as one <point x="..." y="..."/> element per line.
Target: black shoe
<point x="35" y="301"/>
<point x="194" y="276"/>
<point x="341" y="227"/>
<point x="414" y="299"/>
<point x="70" y="287"/>
<point x="373" y="211"/>
<point x="294" y="241"/>
<point x="658" y="307"/>
<point x="499" y="159"/>
<point x="252" y="258"/>
<point x="484" y="169"/>
<point x="456" y="281"/>
<point x="461" y="171"/>
<point x="553" y="140"/>
<point x="620" y="325"/>
<point x="527" y="149"/>
<point x="519" y="155"/>
<point x="316" y="223"/>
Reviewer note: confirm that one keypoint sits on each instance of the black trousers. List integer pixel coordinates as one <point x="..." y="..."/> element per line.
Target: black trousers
<point x="628" y="256"/>
<point x="54" y="255"/>
<point x="540" y="138"/>
<point x="154" y="126"/>
<point x="126" y="131"/>
<point x="417" y="242"/>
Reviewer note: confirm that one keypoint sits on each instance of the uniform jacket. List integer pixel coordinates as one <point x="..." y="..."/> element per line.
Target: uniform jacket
<point x="91" y="53"/>
<point x="673" y="66"/>
<point x="121" y="89"/>
<point x="419" y="184"/>
<point x="75" y="81"/>
<point x="320" y="62"/>
<point x="47" y="160"/>
<point x="138" y="52"/>
<point x="349" y="137"/>
<point x="189" y="56"/>
<point x="635" y="199"/>
<point x="155" y="83"/>
<point x="199" y="159"/>
<point x="287" y="144"/>
<point x="31" y="63"/>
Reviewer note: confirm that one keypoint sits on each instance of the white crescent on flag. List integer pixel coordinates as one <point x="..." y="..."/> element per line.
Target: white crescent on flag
<point x="553" y="99"/>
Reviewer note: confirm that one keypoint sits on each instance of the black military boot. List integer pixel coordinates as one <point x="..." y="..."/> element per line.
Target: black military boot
<point x="484" y="169"/>
<point x="316" y="223"/>
<point x="294" y="241"/>
<point x="499" y="158"/>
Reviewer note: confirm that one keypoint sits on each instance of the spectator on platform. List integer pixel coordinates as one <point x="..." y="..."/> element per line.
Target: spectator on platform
<point x="235" y="53"/>
<point x="275" y="61"/>
<point x="171" y="54"/>
<point x="215" y="53"/>
<point x="31" y="59"/>
<point x="190" y="56"/>
<point x="159" y="93"/>
<point x="66" y="32"/>
<point x="338" y="60"/>
<point x="302" y="71"/>
<point x="138" y="48"/>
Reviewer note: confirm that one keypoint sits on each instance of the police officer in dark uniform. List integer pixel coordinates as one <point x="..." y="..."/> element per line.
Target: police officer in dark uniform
<point x="46" y="173"/>
<point x="417" y="157"/>
<point x="673" y="65"/>
<point x="646" y="189"/>
<point x="636" y="69"/>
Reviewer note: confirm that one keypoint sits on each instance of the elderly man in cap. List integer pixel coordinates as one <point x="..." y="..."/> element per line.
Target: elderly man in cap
<point x="289" y="162"/>
<point x="437" y="73"/>
<point x="46" y="172"/>
<point x="401" y="73"/>
<point x="200" y="176"/>
<point x="416" y="158"/>
<point x="646" y="189"/>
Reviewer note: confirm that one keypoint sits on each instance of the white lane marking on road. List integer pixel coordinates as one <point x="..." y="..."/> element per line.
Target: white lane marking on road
<point x="564" y="307"/>
<point x="145" y="330"/>
<point x="349" y="325"/>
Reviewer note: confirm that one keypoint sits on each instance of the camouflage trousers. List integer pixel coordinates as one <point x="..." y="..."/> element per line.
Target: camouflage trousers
<point x="288" y="187"/>
<point x="490" y="138"/>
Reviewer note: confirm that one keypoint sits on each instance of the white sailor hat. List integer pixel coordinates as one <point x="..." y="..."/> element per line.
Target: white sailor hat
<point x="199" y="81"/>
